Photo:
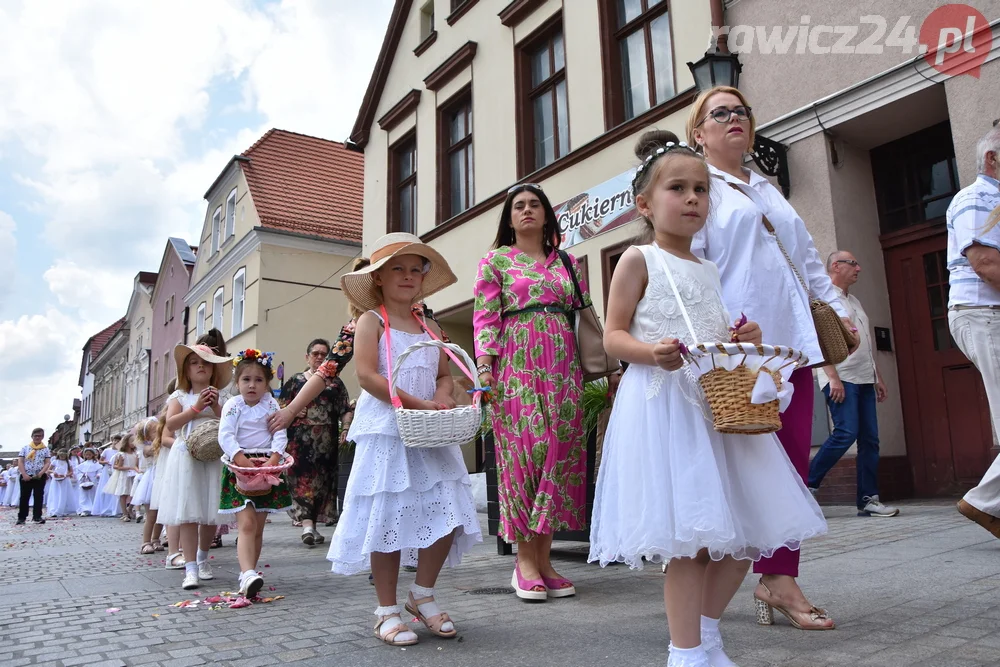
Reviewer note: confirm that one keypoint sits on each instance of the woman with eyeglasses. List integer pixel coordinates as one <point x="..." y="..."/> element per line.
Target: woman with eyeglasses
<point x="526" y="351"/>
<point x="757" y="280"/>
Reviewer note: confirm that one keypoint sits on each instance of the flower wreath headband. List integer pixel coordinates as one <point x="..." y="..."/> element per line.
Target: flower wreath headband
<point x="265" y="359"/>
<point x="668" y="147"/>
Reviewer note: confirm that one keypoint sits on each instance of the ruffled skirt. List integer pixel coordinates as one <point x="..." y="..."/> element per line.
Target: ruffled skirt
<point x="403" y="499"/>
<point x="191" y="489"/>
<point x="670" y="485"/>
<point x="142" y="490"/>
<point x="160" y="464"/>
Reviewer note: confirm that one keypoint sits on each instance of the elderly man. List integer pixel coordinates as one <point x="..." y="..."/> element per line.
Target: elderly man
<point x="852" y="389"/>
<point x="974" y="304"/>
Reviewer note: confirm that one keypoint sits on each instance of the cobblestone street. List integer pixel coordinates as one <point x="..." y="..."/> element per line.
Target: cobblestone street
<point x="921" y="589"/>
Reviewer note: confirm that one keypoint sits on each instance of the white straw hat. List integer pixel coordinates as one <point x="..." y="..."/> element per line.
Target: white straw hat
<point x="360" y="288"/>
<point x="222" y="367"/>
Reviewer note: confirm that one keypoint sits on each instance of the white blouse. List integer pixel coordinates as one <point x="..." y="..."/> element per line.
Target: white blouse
<point x="244" y="427"/>
<point x="756" y="278"/>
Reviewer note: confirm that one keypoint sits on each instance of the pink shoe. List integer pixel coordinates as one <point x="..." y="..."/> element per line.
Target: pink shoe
<point x="559" y="587"/>
<point x="525" y="588"/>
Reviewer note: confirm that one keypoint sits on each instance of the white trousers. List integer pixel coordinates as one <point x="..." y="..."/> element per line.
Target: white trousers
<point x="977" y="333"/>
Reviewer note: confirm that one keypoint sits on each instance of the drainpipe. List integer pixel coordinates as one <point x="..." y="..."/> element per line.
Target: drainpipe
<point x="720" y="40"/>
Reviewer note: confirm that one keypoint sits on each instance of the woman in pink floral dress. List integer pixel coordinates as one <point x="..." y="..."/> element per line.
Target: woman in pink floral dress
<point x="526" y="349"/>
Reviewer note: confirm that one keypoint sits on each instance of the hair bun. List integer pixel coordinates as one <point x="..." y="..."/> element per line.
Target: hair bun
<point x="652" y="140"/>
<point x="215" y="340"/>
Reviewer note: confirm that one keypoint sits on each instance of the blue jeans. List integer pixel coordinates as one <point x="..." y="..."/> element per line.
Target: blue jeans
<point x="854" y="420"/>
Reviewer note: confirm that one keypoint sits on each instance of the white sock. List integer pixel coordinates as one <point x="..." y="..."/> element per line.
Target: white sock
<point x="191" y="568"/>
<point x="202" y="556"/>
<point x="687" y="657"/>
<point x="391" y="622"/>
<point x="710" y="637"/>
<point x="429" y="609"/>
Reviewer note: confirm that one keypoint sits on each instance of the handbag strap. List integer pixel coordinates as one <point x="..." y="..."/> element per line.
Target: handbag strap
<point x="781" y="246"/>
<point x="578" y="293"/>
<point x="657" y="252"/>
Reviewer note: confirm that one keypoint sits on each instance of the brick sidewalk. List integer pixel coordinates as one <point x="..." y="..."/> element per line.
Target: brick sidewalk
<point x="920" y="589"/>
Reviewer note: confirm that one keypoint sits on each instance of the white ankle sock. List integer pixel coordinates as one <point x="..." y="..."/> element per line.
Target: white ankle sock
<point x="191" y="568"/>
<point x="429" y="609"/>
<point x="687" y="657"/>
<point x="202" y="556"/>
<point x="392" y="621"/>
<point x="710" y="637"/>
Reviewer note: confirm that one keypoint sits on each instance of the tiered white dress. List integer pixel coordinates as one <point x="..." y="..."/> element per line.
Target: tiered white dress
<point x="61" y="499"/>
<point x="142" y="490"/>
<point x="191" y="489"/>
<point x="400" y="498"/>
<point x="156" y="488"/>
<point x="106" y="504"/>
<point x="87" y="473"/>
<point x="669" y="484"/>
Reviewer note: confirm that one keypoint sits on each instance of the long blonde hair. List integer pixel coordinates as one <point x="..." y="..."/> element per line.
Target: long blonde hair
<point x="161" y="424"/>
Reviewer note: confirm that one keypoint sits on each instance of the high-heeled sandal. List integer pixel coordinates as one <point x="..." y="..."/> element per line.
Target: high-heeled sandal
<point x="390" y="636"/>
<point x="803" y="620"/>
<point x="433" y="623"/>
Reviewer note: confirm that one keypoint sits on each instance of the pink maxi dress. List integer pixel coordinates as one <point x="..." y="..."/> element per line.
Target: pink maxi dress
<point x="537" y="420"/>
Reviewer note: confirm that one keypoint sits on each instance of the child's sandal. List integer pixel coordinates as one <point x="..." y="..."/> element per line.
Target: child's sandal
<point x="432" y="623"/>
<point x="390" y="636"/>
<point x="147" y="549"/>
<point x="157" y="546"/>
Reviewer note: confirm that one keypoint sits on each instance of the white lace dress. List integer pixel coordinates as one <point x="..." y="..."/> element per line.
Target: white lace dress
<point x="190" y="489"/>
<point x="400" y="498"/>
<point x="669" y="484"/>
<point x="61" y="499"/>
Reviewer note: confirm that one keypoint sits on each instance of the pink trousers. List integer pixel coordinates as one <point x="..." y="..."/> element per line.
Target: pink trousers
<point x="796" y="437"/>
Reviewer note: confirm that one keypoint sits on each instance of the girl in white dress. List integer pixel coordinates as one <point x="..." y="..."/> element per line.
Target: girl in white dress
<point x="61" y="499"/>
<point x="409" y="505"/>
<point x="189" y="497"/>
<point x="142" y="491"/>
<point x="670" y="487"/>
<point x="13" y="496"/>
<point x="162" y="444"/>
<point x="242" y="431"/>
<point x="125" y="466"/>
<point x="87" y="474"/>
<point x="106" y="504"/>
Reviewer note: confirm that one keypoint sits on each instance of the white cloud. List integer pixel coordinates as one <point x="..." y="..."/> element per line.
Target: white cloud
<point x="8" y="255"/>
<point x="104" y="119"/>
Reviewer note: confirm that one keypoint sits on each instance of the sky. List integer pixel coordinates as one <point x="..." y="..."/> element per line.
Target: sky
<point x="115" y="117"/>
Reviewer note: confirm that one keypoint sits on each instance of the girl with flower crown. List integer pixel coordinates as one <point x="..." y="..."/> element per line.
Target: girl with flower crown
<point x="243" y="430"/>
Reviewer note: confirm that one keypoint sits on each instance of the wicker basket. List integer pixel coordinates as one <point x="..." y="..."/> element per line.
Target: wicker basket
<point x="203" y="442"/>
<point x="436" y="428"/>
<point x="259" y="479"/>
<point x="729" y="391"/>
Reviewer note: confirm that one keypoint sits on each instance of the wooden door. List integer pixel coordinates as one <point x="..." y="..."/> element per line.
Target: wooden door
<point x="945" y="411"/>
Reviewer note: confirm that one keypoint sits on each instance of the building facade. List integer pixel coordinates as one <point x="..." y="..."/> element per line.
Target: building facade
<point x="283" y="223"/>
<point x="138" y="320"/>
<point x="168" y="317"/>
<point x="91" y="349"/>
<point x="878" y="141"/>
<point x="108" y="368"/>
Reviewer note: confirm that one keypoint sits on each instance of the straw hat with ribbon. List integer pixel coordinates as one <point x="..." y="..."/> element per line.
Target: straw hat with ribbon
<point x="222" y="367"/>
<point x="360" y="288"/>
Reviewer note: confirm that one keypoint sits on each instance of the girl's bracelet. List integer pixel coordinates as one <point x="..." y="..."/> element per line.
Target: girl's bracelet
<point x="483" y="369"/>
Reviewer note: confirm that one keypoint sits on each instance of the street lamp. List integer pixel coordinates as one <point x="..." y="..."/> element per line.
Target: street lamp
<point x="718" y="68"/>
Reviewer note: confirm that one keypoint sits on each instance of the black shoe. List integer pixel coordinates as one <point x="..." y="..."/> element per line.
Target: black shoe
<point x="38" y="521"/>
<point x="20" y="522"/>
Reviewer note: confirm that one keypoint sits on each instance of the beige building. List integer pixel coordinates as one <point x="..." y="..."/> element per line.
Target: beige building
<point x="468" y="98"/>
<point x="108" y="369"/>
<point x="878" y="141"/>
<point x="138" y="322"/>
<point x="282" y="225"/>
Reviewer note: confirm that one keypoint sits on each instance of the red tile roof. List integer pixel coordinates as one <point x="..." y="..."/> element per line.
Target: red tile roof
<point x="96" y="343"/>
<point x="147" y="277"/>
<point x="306" y="185"/>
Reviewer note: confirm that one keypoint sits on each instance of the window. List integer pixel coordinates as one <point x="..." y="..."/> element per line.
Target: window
<point x="168" y="370"/>
<point x="456" y="170"/>
<point x="403" y="186"/>
<point x="239" y="287"/>
<point x="200" y="321"/>
<point x="217" y="308"/>
<point x="915" y="178"/>
<point x="638" y="57"/>
<point x="426" y="20"/>
<point x="541" y="85"/>
<point x="166" y="309"/>
<point x="216" y="229"/>
<point x="231" y="214"/>
<point x="156" y="375"/>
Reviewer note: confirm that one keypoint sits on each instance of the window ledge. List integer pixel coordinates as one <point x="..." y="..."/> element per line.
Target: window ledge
<point x="426" y="44"/>
<point x="461" y="11"/>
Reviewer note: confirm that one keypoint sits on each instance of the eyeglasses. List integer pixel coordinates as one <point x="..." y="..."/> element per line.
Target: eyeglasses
<point x="521" y="186"/>
<point x="849" y="262"/>
<point x="722" y="114"/>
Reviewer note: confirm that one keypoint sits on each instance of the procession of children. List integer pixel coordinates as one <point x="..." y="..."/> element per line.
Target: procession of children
<point x="706" y="494"/>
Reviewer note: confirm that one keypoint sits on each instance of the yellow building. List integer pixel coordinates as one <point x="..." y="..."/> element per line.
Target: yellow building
<point x="283" y="223"/>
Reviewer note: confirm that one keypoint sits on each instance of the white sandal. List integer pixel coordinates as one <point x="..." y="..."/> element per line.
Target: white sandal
<point x="171" y="565"/>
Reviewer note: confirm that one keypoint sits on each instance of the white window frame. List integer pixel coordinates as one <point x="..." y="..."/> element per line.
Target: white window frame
<point x="216" y="229"/>
<point x="239" y="300"/>
<point x="218" y="301"/>
<point x="200" y="319"/>
<point x="231" y="214"/>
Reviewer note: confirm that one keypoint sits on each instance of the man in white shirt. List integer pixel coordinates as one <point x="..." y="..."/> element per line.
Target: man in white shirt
<point x="852" y="389"/>
<point x="974" y="304"/>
